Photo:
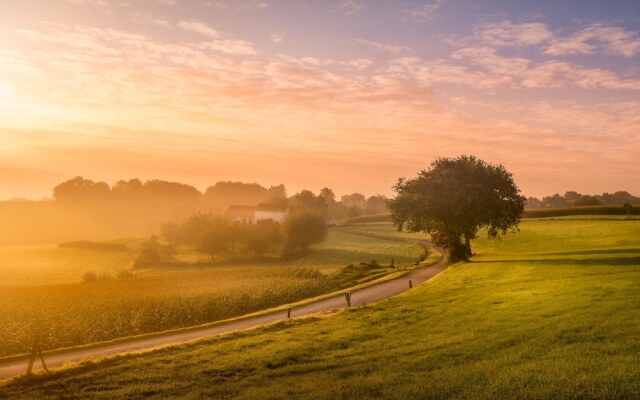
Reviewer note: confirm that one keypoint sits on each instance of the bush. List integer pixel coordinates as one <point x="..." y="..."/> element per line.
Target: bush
<point x="301" y="229"/>
<point x="152" y="252"/>
<point x="89" y="276"/>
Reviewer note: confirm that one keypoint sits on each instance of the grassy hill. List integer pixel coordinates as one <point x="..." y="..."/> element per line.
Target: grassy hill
<point x="551" y="312"/>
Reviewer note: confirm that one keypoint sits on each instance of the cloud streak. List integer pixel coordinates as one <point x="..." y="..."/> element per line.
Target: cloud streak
<point x="199" y="28"/>
<point x="389" y="48"/>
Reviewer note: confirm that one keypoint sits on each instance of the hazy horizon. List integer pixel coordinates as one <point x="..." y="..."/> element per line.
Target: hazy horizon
<point x="349" y="94"/>
<point x="205" y="185"/>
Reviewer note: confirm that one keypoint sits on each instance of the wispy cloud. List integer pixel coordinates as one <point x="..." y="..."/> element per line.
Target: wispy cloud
<point x="252" y="6"/>
<point x="99" y="3"/>
<point x="506" y="33"/>
<point x="276" y="37"/>
<point x="237" y="5"/>
<point x="426" y="12"/>
<point x="483" y="67"/>
<point x="597" y="38"/>
<point x="352" y="6"/>
<point x="230" y="46"/>
<point x="199" y="28"/>
<point x="390" y="48"/>
<point x="161" y="22"/>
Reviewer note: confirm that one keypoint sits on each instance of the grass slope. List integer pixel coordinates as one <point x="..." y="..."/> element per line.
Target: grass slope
<point x="553" y="312"/>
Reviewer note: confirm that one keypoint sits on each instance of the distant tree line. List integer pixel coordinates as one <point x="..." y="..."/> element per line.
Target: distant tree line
<point x="575" y="199"/>
<point x="83" y="209"/>
<point x="80" y="192"/>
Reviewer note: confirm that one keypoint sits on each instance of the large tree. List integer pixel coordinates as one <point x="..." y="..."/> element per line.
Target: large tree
<point x="454" y="199"/>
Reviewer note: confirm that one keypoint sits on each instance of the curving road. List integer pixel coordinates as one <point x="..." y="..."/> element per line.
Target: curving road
<point x="367" y="295"/>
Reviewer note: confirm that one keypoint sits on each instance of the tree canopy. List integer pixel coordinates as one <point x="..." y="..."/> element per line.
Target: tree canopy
<point x="454" y="199"/>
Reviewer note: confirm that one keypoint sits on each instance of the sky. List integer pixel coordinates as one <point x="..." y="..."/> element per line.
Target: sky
<point x="350" y="94"/>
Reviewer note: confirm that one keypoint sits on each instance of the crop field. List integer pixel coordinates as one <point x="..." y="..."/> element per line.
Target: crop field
<point x="166" y="297"/>
<point x="50" y="264"/>
<point x="550" y="312"/>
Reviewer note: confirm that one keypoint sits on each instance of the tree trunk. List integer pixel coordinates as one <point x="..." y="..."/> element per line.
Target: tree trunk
<point x="467" y="244"/>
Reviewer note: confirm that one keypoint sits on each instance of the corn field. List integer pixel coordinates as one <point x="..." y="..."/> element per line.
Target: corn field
<point x="76" y="314"/>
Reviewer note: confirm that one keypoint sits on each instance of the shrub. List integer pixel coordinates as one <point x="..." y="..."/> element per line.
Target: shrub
<point x="301" y="229"/>
<point x="152" y="252"/>
<point x="89" y="276"/>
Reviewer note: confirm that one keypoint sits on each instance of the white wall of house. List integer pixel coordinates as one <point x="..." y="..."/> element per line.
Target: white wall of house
<point x="277" y="216"/>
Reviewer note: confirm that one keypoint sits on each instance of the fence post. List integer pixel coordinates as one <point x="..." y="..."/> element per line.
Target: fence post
<point x="288" y="313"/>
<point x="42" y="359"/>
<point x="32" y="358"/>
<point x="36" y="351"/>
<point x="410" y="284"/>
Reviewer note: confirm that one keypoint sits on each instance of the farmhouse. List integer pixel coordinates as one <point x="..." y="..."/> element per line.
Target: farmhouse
<point x="253" y="214"/>
<point x="240" y="214"/>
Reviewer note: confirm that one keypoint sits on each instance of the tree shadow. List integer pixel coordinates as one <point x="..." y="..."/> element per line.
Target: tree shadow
<point x="613" y="261"/>
<point x="595" y="251"/>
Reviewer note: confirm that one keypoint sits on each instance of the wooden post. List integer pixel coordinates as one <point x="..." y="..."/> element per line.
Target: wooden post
<point x="36" y="351"/>
<point x="410" y="284"/>
<point x="32" y="358"/>
<point x="288" y="313"/>
<point x="42" y="359"/>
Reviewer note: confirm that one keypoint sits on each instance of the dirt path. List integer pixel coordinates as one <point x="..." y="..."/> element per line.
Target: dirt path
<point x="367" y="295"/>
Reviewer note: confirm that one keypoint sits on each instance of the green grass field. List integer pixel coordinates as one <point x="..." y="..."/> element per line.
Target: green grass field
<point x="551" y="312"/>
<point x="166" y="297"/>
<point x="385" y="229"/>
<point x="51" y="264"/>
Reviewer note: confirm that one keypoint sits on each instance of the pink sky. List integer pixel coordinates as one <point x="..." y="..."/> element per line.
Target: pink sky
<point x="313" y="94"/>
